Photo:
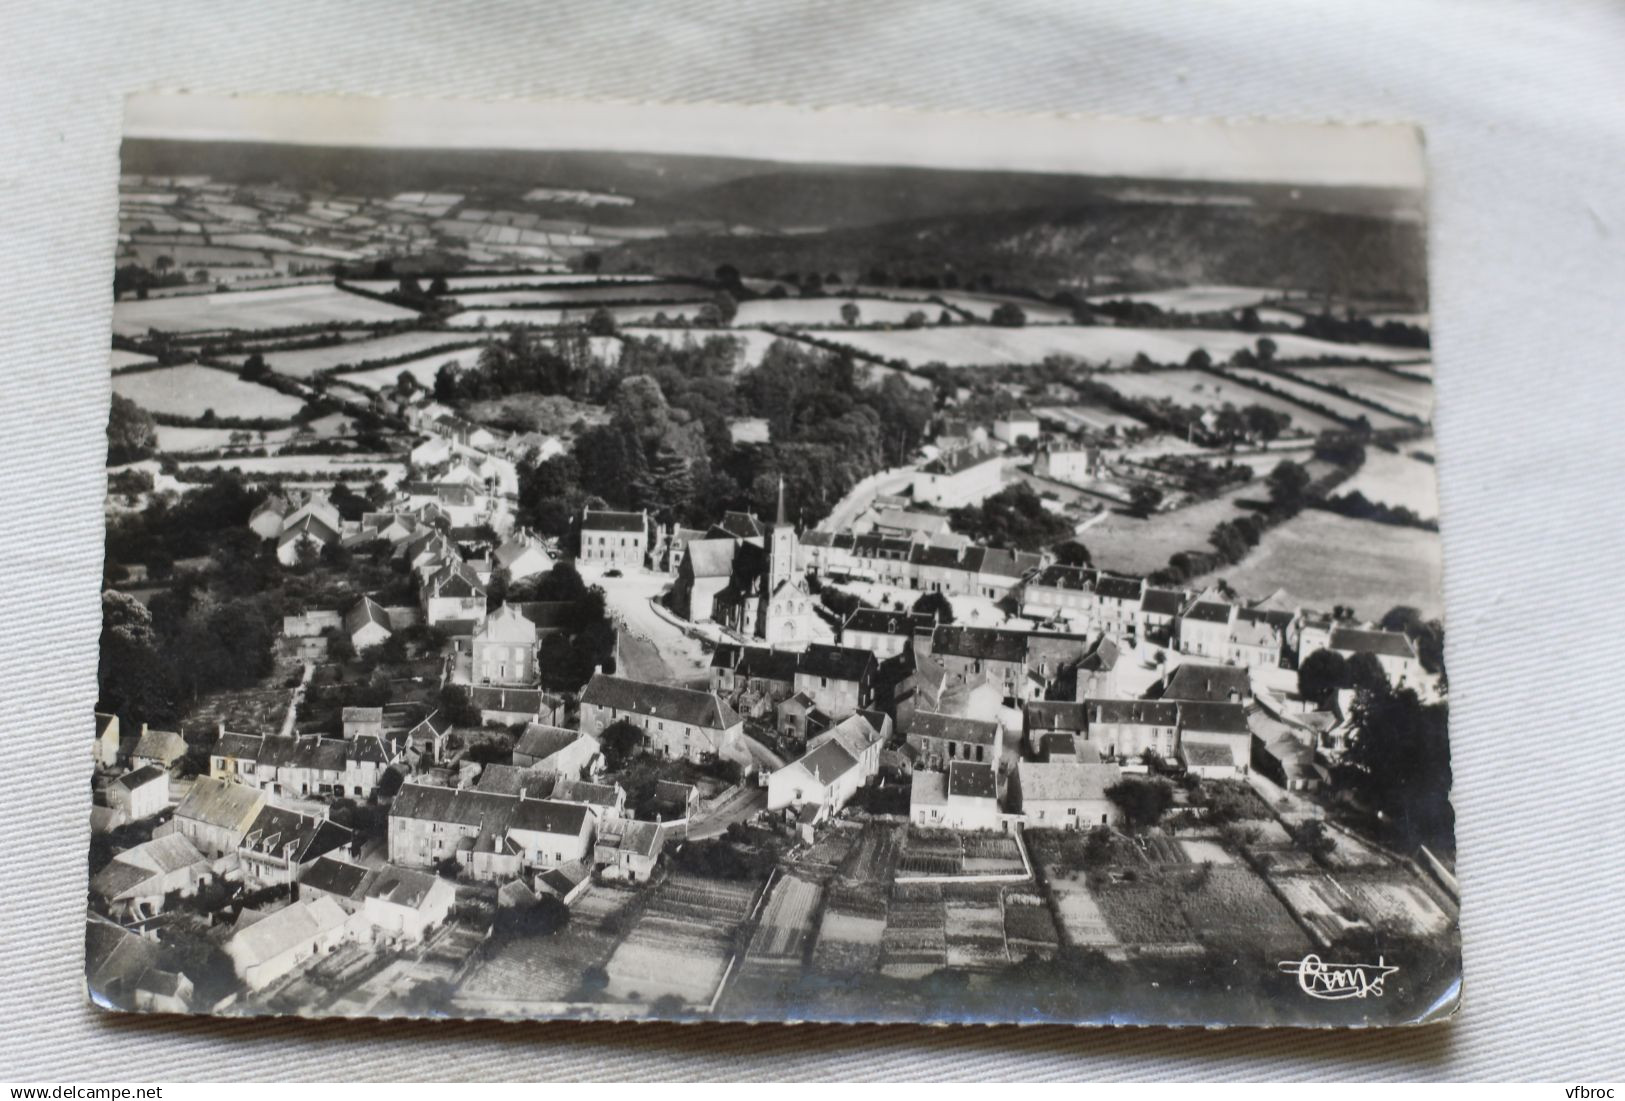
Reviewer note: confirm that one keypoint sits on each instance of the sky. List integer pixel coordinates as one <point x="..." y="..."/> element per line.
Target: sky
<point x="1365" y="155"/>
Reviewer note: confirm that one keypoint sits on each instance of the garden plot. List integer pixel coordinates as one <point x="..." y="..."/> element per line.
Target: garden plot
<point x="1396" y="902"/>
<point x="1402" y="395"/>
<point x="282" y="307"/>
<point x="1082" y="919"/>
<point x="848" y="943"/>
<point x="914" y="942"/>
<point x="1199" y="299"/>
<point x="305" y="362"/>
<point x="1211" y="392"/>
<point x="681" y="942"/>
<point x="1349" y="852"/>
<point x="1141" y="915"/>
<point x="1028" y="927"/>
<point x="973" y="933"/>
<point x="548" y="969"/>
<point x="1233" y="907"/>
<point x="787" y="922"/>
<point x="1321" y="904"/>
<point x="1202" y="850"/>
<point x="1335" y="402"/>
<point x="579" y="315"/>
<point x="192" y="390"/>
<point x="582" y="297"/>
<point x="1319" y="559"/>
<point x="1396" y="480"/>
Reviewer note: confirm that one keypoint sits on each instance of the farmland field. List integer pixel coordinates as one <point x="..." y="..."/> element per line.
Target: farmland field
<point x="1082" y="919"/>
<point x="1234" y="908"/>
<point x="1131" y="545"/>
<point x="492" y="280"/>
<point x="1139" y="914"/>
<point x="1335" y="402"/>
<point x="1201" y="388"/>
<point x="1198" y="299"/>
<point x="423" y="369"/>
<point x="1397" y="480"/>
<point x="624" y="315"/>
<point x="582" y="296"/>
<point x="198" y="256"/>
<point x="1320" y="559"/>
<point x="311" y="468"/>
<point x="306" y="362"/>
<point x="827" y="311"/>
<point x="1098" y="345"/>
<point x="191" y="390"/>
<point x="1402" y="395"/>
<point x="119" y="358"/>
<point x="312" y="304"/>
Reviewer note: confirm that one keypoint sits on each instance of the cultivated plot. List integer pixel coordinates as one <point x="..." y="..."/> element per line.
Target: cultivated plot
<point x="1402" y="395"/>
<point x="281" y="307"/>
<point x="305" y="362"/>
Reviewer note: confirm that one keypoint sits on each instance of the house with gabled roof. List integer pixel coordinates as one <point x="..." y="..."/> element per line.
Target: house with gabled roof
<point x="965" y="797"/>
<point x="938" y="739"/>
<point x="1393" y="651"/>
<point x="135" y="881"/>
<point x="507" y="704"/>
<point x="107" y="738"/>
<point x="306" y="532"/>
<point x="963" y="476"/>
<point x="628" y="849"/>
<point x="1059" y="592"/>
<point x="454" y="592"/>
<point x="1064" y="795"/>
<point x="676" y="722"/>
<point x="549" y="833"/>
<point x="503" y="649"/>
<point x="603" y="801"/>
<point x="403" y="904"/>
<point x="279" y="943"/>
<point x="882" y="633"/>
<point x="215" y="814"/>
<point x="140" y="793"/>
<point x="1159" y="611"/>
<point x="555" y="750"/>
<point x="280" y="844"/>
<point x="836" y="764"/>
<point x="839" y="679"/>
<point x="266" y="519"/>
<point x="523" y="555"/>
<point x="1128" y="728"/>
<point x="614" y="538"/>
<point x="157" y="747"/>
<point x="1204" y="626"/>
<point x="367" y="624"/>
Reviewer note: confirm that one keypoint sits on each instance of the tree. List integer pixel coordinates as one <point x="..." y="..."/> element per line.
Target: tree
<point x="545" y="917"/>
<point x="602" y="323"/>
<point x="438" y="287"/>
<point x="1265" y="350"/>
<point x="254" y="367"/>
<point x="1426" y="634"/>
<point x="1073" y="553"/>
<point x="456" y="707"/>
<point x="132" y="434"/>
<point x="591" y="262"/>
<point x="937" y="605"/>
<point x="1398" y="764"/>
<point x="163" y="263"/>
<point x="850" y="313"/>
<point x="1322" y="673"/>
<point x="1143" y="802"/>
<point x="619" y="741"/>
<point x="1313" y="838"/>
<point x="1144" y="499"/>
<point x="1287" y="484"/>
<point x="1009" y="315"/>
<point x="1015" y="517"/>
<point x="916" y="319"/>
<point x="1265" y="423"/>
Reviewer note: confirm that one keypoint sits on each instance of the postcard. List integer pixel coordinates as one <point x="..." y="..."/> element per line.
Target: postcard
<point x="742" y="563"/>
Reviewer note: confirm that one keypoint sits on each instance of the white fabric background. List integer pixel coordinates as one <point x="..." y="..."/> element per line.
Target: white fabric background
<point x="1522" y="105"/>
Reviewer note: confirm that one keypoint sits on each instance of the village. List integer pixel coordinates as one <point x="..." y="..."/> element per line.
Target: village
<point x="907" y="753"/>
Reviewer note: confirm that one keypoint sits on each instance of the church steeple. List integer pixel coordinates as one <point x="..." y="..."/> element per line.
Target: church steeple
<point x="781" y="520"/>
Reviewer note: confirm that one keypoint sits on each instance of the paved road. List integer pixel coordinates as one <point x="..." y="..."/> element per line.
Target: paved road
<point x="738" y="807"/>
<point x="850" y="507"/>
<point x="628" y="599"/>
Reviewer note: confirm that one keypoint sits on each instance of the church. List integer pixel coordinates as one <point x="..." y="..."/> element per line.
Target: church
<point x="746" y="576"/>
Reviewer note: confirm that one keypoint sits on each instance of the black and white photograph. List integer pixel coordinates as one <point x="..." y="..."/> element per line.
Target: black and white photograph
<point x="633" y="562"/>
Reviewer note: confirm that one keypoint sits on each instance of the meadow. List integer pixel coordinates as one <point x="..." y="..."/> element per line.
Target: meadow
<point x="1198" y="299"/>
<point x="1335" y="402"/>
<point x="602" y="293"/>
<point x="282" y="307"/>
<point x="1396" y="479"/>
<point x="1210" y="391"/>
<point x="624" y="315"/>
<point x="1402" y="395"/>
<point x="1319" y="559"/>
<point x="192" y="390"/>
<point x="307" y="362"/>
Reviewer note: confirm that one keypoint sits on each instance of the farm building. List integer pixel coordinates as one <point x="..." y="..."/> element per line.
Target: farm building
<point x="629" y="849"/>
<point x="544" y="748"/>
<point x="1064" y="795"/>
<point x="676" y="722"/>
<point x="106" y="744"/>
<point x="157" y="747"/>
<point x="367" y="624"/>
<point x="136" y="880"/>
<point x="263" y="951"/>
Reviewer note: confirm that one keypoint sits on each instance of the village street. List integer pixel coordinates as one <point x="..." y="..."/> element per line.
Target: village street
<point x="656" y="649"/>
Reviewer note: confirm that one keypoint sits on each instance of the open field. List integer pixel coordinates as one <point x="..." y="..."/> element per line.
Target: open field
<point x="196" y="256"/>
<point x="1097" y="345"/>
<point x="753" y="343"/>
<point x="681" y="942"/>
<point x="174" y="439"/>
<point x="1402" y="395"/>
<point x="476" y="281"/>
<point x="1335" y="402"/>
<point x="313" y="304"/>
<point x="1131" y="545"/>
<point x="1398" y="480"/>
<point x="827" y="311"/>
<point x="491" y="319"/>
<point x="191" y="390"/>
<point x="582" y="297"/>
<point x="1320" y="559"/>
<point x="118" y="359"/>
<point x="1210" y="391"/>
<point x="306" y="362"/>
<point x="423" y="369"/>
<point x="1199" y="299"/>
